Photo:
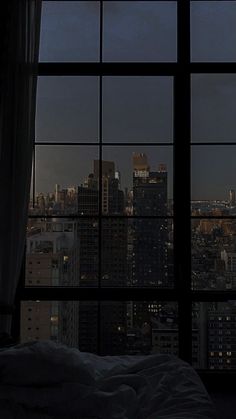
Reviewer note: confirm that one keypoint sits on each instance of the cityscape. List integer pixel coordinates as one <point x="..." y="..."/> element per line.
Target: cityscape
<point x="134" y="251"/>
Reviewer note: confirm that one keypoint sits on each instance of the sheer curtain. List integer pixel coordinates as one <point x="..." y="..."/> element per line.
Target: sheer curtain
<point x="20" y="25"/>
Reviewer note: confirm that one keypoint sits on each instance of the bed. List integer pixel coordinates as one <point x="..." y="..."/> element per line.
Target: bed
<point x="43" y="380"/>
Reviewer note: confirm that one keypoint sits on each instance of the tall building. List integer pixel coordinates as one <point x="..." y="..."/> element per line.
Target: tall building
<point x="88" y="230"/>
<point x="113" y="230"/>
<point x="152" y="250"/>
<point x="52" y="254"/>
<point x="113" y="254"/>
<point x="150" y="244"/>
<point x="51" y="260"/>
<point x="222" y="336"/>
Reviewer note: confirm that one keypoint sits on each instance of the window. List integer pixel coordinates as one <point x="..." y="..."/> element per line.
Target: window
<point x="132" y="211"/>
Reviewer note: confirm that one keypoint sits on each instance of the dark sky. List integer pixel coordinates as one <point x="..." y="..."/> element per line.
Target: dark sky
<point x="135" y="109"/>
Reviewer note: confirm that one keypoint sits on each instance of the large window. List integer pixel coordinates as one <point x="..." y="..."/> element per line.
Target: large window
<point x="131" y="239"/>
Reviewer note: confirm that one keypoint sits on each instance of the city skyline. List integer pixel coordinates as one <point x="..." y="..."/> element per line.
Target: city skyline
<point x="64" y="156"/>
<point x="122" y="251"/>
<point x="138" y="109"/>
<point x="44" y="170"/>
<point x="134" y="253"/>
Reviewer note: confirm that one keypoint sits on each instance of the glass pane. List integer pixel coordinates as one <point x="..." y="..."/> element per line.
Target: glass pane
<point x="213" y="254"/>
<point x="88" y="237"/>
<point x="213" y="107"/>
<point x="65" y="180"/>
<point x="127" y="327"/>
<point x="213" y="180"/>
<point x="137" y="252"/>
<point x="214" y="335"/>
<point x="140" y="31"/>
<point x="67" y="109"/>
<point x="62" y="252"/>
<point x="151" y="256"/>
<point x="144" y="179"/>
<point x="69" y="31"/>
<point x="87" y="326"/>
<point x="114" y="252"/>
<point x="138" y="109"/>
<point x="213" y="31"/>
<point x="139" y="327"/>
<point x="50" y="320"/>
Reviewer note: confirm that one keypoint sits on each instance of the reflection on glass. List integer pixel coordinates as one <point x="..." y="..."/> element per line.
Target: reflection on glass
<point x="214" y="327"/>
<point x="67" y="109"/>
<point x="69" y="31"/>
<point x="137" y="109"/>
<point x="213" y="31"/>
<point x="140" y="31"/>
<point x="126" y="327"/>
<point x="213" y="108"/>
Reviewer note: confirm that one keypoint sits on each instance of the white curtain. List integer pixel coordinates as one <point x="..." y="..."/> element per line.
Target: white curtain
<point x="19" y="28"/>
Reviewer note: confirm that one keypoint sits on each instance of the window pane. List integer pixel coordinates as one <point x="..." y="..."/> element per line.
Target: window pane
<point x="88" y="332"/>
<point x="114" y="252"/>
<point x="140" y="31"/>
<point x="50" y="320"/>
<point x="65" y="180"/>
<point x="62" y="252"/>
<point x="88" y="237"/>
<point x="151" y="253"/>
<point x="69" y="31"/>
<point x="137" y="252"/>
<point x="127" y="327"/>
<point x="213" y="107"/>
<point x="67" y="109"/>
<point x="213" y="177"/>
<point x="214" y="331"/>
<point x="144" y="177"/>
<point x="138" y="109"/>
<point x="213" y="254"/>
<point x="213" y="31"/>
<point x="139" y="327"/>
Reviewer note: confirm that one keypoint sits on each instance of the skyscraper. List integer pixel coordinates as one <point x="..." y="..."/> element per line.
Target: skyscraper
<point x="51" y="260"/>
<point x="150" y="234"/>
<point x="113" y="254"/>
<point x="151" y="261"/>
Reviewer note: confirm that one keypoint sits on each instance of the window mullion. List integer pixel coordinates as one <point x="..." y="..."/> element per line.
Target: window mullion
<point x="182" y="183"/>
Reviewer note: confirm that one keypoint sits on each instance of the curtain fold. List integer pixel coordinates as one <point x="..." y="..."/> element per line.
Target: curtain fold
<point x="20" y="28"/>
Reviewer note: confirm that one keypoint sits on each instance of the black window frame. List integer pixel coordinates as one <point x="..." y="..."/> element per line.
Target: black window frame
<point x="181" y="71"/>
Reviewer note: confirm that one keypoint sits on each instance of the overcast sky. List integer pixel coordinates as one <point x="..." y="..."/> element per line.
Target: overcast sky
<point x="135" y="109"/>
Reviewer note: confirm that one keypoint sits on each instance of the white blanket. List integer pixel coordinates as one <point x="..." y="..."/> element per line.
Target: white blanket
<point x="44" y="378"/>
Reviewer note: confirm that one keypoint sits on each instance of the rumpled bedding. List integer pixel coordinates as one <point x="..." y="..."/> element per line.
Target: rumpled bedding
<point x="47" y="380"/>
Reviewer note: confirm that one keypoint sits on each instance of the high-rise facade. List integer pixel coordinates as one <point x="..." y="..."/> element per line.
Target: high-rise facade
<point x="150" y="242"/>
<point x="51" y="260"/>
<point x="152" y="252"/>
<point x="113" y="254"/>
